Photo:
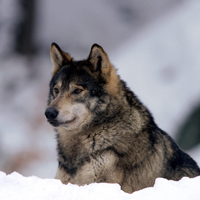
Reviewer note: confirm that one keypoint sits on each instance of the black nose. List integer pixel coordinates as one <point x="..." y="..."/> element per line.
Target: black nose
<point x="51" y="113"/>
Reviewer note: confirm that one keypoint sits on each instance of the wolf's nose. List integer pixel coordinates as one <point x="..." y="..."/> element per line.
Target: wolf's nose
<point x="51" y="113"/>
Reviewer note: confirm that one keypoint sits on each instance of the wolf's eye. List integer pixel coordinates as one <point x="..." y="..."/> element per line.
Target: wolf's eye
<point x="56" y="90"/>
<point x="77" y="91"/>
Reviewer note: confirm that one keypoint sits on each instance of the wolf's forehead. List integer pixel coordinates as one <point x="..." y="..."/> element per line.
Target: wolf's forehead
<point x="73" y="74"/>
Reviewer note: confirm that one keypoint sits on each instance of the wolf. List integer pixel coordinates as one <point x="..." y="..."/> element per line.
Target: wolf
<point x="104" y="133"/>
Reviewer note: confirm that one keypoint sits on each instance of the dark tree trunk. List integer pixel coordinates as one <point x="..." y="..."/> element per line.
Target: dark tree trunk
<point x="25" y="29"/>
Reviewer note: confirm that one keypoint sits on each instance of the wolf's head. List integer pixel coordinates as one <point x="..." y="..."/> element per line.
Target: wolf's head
<point x="80" y="91"/>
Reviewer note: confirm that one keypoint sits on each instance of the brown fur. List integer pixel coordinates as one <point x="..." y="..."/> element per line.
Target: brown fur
<point x="104" y="133"/>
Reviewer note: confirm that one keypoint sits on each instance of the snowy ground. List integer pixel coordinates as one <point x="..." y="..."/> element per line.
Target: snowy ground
<point x="15" y="186"/>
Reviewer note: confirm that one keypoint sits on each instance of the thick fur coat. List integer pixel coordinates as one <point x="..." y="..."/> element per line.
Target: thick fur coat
<point x="104" y="133"/>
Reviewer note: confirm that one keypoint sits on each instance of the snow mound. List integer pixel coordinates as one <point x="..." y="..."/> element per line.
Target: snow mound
<point x="15" y="186"/>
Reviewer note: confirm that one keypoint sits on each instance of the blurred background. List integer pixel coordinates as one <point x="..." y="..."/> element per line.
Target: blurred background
<point x="155" y="45"/>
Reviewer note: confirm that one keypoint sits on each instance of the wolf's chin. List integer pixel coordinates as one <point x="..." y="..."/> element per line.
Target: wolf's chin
<point x="54" y="123"/>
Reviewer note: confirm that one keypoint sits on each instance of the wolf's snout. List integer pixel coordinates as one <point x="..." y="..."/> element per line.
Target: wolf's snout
<point x="51" y="113"/>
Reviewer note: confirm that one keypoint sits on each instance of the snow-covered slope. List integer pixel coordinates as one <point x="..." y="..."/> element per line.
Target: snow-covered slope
<point x="15" y="186"/>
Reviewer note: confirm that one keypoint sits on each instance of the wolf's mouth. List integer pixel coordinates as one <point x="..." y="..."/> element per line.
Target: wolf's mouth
<point x="70" y="121"/>
<point x="56" y="123"/>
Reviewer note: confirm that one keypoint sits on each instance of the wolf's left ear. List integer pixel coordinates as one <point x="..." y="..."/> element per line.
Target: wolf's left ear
<point x="99" y="60"/>
<point x="59" y="58"/>
<point x="101" y="63"/>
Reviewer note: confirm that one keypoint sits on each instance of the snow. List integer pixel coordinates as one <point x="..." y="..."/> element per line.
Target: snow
<point x="15" y="186"/>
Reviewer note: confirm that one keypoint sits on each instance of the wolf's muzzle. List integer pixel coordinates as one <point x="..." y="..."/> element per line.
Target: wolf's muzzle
<point x="51" y="113"/>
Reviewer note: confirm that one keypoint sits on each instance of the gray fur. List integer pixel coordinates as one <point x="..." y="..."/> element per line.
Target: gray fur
<point x="115" y="139"/>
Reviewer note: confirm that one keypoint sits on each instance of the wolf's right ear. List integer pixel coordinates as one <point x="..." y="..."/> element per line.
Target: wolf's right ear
<point x="99" y="60"/>
<point x="59" y="58"/>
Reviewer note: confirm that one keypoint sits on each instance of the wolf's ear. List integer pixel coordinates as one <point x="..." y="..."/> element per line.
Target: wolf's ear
<point x="101" y="63"/>
<point x="99" y="60"/>
<point x="59" y="58"/>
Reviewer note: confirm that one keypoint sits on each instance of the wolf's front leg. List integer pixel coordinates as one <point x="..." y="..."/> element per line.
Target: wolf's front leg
<point x="63" y="176"/>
